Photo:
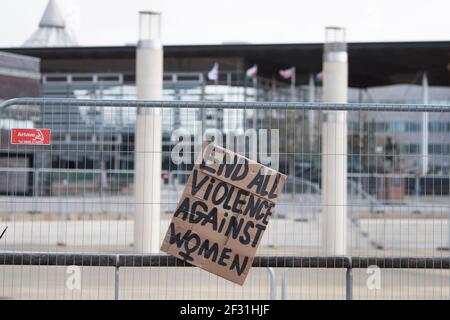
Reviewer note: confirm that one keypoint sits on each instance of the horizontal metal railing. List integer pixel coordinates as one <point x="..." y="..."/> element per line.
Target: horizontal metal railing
<point x="269" y="262"/>
<point x="260" y="105"/>
<point x="139" y="260"/>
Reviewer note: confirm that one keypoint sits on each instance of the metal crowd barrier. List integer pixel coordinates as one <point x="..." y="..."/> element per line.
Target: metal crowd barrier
<point x="358" y="260"/>
<point x="269" y="262"/>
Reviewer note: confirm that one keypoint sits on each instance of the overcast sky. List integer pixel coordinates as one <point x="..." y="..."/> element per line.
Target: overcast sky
<point x="114" y="22"/>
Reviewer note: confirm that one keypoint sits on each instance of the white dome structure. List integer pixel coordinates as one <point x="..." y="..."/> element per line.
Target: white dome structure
<point x="52" y="30"/>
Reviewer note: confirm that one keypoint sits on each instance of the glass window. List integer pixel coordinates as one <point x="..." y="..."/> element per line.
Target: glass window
<point x="400" y="127"/>
<point x="413" y="127"/>
<point x="411" y="148"/>
<point x="439" y="127"/>
<point x="439" y="149"/>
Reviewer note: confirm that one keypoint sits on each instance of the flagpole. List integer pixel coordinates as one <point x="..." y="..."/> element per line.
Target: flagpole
<point x="311" y="99"/>
<point x="293" y="84"/>
<point x="255" y="86"/>
<point x="274" y="88"/>
<point x="245" y="100"/>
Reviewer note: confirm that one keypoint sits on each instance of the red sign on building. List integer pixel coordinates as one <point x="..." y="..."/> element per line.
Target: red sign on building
<point x="30" y="136"/>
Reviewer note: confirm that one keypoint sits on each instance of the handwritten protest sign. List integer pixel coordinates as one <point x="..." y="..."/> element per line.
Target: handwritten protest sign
<point x="223" y="212"/>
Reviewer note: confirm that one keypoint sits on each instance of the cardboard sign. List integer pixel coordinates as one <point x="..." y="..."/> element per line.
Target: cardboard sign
<point x="30" y="136"/>
<point x="222" y="215"/>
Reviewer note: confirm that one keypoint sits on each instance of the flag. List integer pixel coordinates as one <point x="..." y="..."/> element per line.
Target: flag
<point x="252" y="72"/>
<point x="213" y="74"/>
<point x="287" y="73"/>
<point x="319" y="77"/>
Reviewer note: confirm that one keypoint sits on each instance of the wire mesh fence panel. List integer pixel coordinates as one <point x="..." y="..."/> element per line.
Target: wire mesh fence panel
<point x="75" y="193"/>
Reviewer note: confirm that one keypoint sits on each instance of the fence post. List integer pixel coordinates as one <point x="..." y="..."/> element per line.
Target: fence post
<point x="284" y="284"/>
<point x="273" y="287"/>
<point x="349" y="280"/>
<point x="116" y="279"/>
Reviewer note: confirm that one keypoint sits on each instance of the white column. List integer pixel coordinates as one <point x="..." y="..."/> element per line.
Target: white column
<point x="424" y="166"/>
<point x="147" y="173"/>
<point x="334" y="145"/>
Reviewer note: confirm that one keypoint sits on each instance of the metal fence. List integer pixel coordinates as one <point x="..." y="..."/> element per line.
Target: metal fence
<point x="66" y="202"/>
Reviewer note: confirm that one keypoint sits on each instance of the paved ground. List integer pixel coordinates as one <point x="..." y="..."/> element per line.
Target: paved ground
<point x="408" y="234"/>
<point x="290" y="206"/>
<point x="42" y="282"/>
<point x="24" y="282"/>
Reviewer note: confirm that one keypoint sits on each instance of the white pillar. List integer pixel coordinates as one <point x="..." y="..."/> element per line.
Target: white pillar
<point x="147" y="173"/>
<point x="424" y="166"/>
<point x="334" y="144"/>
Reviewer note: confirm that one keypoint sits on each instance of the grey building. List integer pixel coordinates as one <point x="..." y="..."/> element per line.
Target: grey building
<point x="19" y="77"/>
<point x="379" y="72"/>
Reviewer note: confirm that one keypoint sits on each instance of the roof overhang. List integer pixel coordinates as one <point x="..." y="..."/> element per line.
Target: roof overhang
<point x="370" y="64"/>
